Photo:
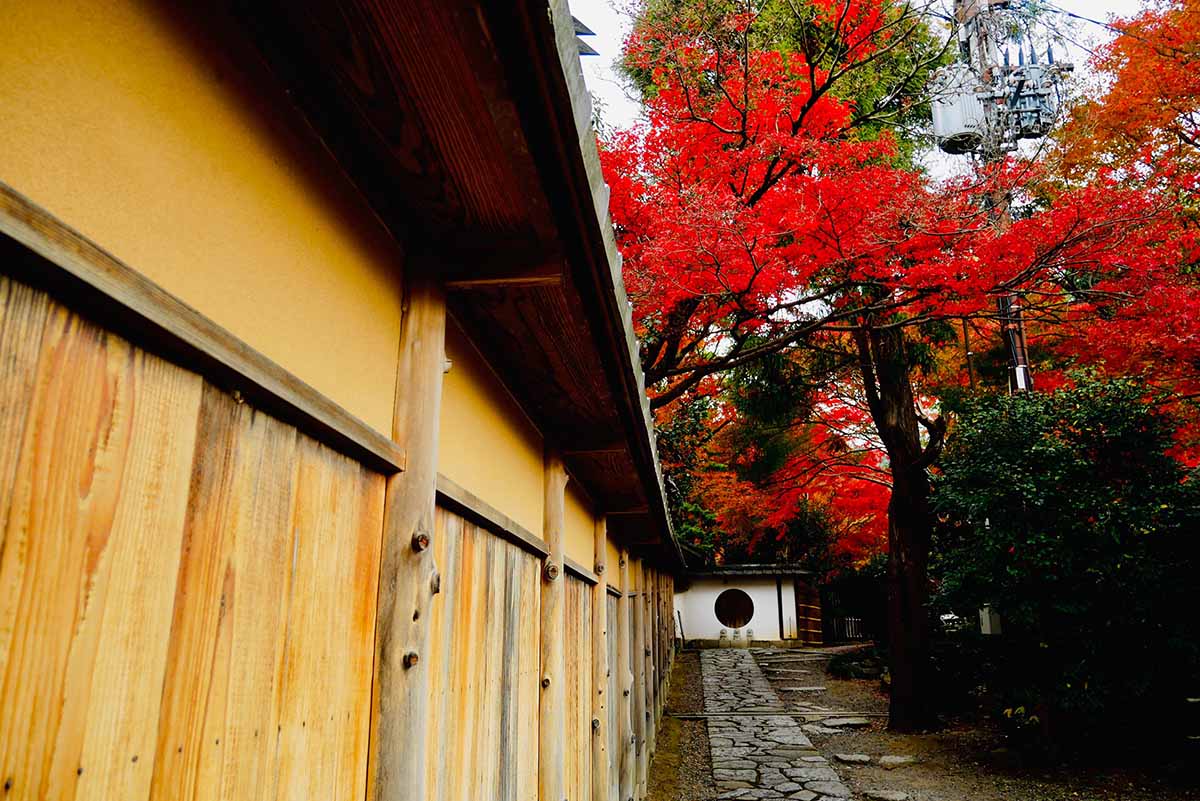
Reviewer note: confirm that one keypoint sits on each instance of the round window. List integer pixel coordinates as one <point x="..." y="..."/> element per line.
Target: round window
<point x="734" y="608"/>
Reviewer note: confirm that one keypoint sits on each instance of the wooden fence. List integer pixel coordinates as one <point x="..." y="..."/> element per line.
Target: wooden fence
<point x="190" y="587"/>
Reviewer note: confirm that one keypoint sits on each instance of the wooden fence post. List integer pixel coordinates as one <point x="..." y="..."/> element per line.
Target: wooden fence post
<point x="639" y="681"/>
<point x="626" y="759"/>
<point x="408" y="575"/>
<point x="551" y="721"/>
<point x="600" y="699"/>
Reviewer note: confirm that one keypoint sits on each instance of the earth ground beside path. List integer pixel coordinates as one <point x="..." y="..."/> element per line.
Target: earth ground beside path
<point x="961" y="763"/>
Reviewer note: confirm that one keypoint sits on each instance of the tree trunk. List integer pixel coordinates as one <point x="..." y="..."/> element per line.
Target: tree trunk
<point x="886" y="377"/>
<point x="910" y="524"/>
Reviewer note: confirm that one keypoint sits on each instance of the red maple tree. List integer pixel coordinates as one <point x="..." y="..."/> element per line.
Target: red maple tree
<point x="762" y="209"/>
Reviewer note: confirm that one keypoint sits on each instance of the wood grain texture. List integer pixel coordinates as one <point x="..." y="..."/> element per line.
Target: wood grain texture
<point x="186" y="584"/>
<point x="649" y="599"/>
<point x="484" y="667"/>
<point x="329" y="651"/>
<point x="398" y="735"/>
<point x="601" y="773"/>
<point x="613" y="726"/>
<point x="281" y="554"/>
<point x="577" y="664"/>
<point x="412" y="103"/>
<point x="551" y="708"/>
<point x="627" y="773"/>
<point x="95" y="490"/>
<point x="638" y="658"/>
<point x="576" y="570"/>
<point x="461" y="500"/>
<point x="808" y="613"/>
<point x="38" y="247"/>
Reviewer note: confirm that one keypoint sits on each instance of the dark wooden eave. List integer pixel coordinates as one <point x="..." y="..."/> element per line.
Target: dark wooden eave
<point x="467" y="127"/>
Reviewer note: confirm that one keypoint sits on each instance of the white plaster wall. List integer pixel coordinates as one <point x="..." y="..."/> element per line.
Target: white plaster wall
<point x="790" y="630"/>
<point x="697" y="607"/>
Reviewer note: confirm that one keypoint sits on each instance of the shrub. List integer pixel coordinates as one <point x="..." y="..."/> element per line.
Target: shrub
<point x="1067" y="514"/>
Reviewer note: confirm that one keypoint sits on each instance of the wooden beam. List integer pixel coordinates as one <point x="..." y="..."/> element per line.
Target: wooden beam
<point x="580" y="572"/>
<point x="639" y="683"/>
<point x="596" y="443"/>
<point x="627" y="770"/>
<point x="600" y="700"/>
<point x="408" y="576"/>
<point x="39" y="249"/>
<point x="490" y="276"/>
<point x="474" y="508"/>
<point x="551" y="711"/>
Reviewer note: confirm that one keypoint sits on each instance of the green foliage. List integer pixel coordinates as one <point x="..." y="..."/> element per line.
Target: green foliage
<point x="863" y="663"/>
<point x="1067" y="514"/>
<point x="889" y="92"/>
<point x="681" y="439"/>
<point x="769" y="394"/>
<point x="807" y="541"/>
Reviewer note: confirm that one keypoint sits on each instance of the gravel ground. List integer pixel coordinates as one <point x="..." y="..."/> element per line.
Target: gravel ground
<point x="961" y="763"/>
<point x="682" y="767"/>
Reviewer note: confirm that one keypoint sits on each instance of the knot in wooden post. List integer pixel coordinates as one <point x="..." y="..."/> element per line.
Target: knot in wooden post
<point x="420" y="541"/>
<point x="595" y="724"/>
<point x="600" y="569"/>
<point x="551" y="572"/>
<point x="545" y="682"/>
<point x="410" y="659"/>
<point x="435" y="582"/>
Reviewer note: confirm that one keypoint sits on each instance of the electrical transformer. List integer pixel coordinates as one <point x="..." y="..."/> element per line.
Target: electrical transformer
<point x="959" y="119"/>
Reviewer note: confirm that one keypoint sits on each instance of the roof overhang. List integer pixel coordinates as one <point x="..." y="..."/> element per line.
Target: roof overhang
<point x="467" y="127"/>
<point x="732" y="571"/>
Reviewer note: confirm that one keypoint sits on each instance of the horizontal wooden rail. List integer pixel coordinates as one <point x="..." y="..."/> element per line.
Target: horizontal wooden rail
<point x="41" y="250"/>
<point x="579" y="571"/>
<point x="461" y="500"/>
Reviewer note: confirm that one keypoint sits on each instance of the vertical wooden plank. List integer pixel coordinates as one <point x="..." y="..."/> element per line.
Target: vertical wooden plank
<point x="326" y="686"/>
<point x="145" y="542"/>
<point x="648" y="656"/>
<point x="578" y="702"/>
<point x="628" y="767"/>
<point x="509" y="753"/>
<point x="550" y="712"/>
<point x="529" y="680"/>
<point x="582" y="702"/>
<point x="486" y="668"/>
<point x="443" y="624"/>
<point x="614" y="695"/>
<point x="95" y="487"/>
<point x="465" y="665"/>
<point x="639" y="680"/>
<point x="23" y="314"/>
<point x="222" y="691"/>
<point x="599" y="645"/>
<point x="399" y="745"/>
<point x="651" y="666"/>
<point x="491" y="675"/>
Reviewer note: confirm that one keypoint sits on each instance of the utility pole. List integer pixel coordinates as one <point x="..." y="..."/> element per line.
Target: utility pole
<point x="986" y="104"/>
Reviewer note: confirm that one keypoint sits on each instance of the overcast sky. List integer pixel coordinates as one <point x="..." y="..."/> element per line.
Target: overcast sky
<point x="610" y="20"/>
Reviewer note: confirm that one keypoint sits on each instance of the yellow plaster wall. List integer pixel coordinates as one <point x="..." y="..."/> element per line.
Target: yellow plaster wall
<point x="580" y="540"/>
<point x="487" y="444"/>
<point x="614" y="564"/>
<point x="137" y="129"/>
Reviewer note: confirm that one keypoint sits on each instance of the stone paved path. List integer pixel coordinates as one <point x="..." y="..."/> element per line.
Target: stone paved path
<point x="760" y="756"/>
